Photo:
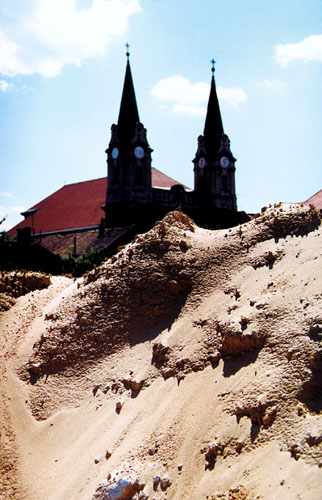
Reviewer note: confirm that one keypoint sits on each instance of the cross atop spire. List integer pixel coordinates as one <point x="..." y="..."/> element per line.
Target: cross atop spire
<point x="213" y="62"/>
<point x="127" y="50"/>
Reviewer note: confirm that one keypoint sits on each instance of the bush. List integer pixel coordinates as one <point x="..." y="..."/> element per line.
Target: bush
<point x="33" y="257"/>
<point x="77" y="266"/>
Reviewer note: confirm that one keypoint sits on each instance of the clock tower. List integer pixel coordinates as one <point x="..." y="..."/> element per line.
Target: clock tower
<point x="128" y="155"/>
<point x="214" y="163"/>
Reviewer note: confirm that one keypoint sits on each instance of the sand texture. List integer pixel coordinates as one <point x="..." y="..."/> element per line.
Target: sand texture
<point x="187" y="367"/>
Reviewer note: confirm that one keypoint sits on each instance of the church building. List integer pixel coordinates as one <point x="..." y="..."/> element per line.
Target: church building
<point x="131" y="197"/>
<point x="109" y="211"/>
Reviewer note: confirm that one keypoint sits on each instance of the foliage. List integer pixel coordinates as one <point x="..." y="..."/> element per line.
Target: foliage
<point x="77" y="266"/>
<point x="8" y="246"/>
<point x="14" y="255"/>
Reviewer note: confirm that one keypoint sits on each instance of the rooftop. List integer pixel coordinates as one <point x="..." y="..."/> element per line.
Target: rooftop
<point x="76" y="206"/>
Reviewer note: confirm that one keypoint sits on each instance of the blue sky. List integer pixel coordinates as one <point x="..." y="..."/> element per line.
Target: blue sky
<point x="62" y="65"/>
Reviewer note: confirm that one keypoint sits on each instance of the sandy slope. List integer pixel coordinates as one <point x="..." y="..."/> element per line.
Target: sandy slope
<point x="211" y="344"/>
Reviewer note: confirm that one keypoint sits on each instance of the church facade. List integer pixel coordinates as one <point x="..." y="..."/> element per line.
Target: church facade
<point x="130" y="195"/>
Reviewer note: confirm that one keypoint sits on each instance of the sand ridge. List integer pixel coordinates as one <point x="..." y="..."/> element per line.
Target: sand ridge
<point x="192" y="354"/>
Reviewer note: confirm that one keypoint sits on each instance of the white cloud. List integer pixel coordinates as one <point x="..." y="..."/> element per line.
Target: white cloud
<point x="191" y="98"/>
<point x="41" y="36"/>
<point x="309" y="49"/>
<point x="232" y="95"/>
<point x="269" y="83"/>
<point x="179" y="89"/>
<point x="5" y="86"/>
<point x="7" y="195"/>
<point x="187" y="109"/>
<point x="17" y="209"/>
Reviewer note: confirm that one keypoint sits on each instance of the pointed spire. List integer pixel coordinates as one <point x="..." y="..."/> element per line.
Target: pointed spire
<point x="129" y="114"/>
<point x="213" y="125"/>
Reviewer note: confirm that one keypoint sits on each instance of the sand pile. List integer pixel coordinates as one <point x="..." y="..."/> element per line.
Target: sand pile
<point x="13" y="284"/>
<point x="189" y="364"/>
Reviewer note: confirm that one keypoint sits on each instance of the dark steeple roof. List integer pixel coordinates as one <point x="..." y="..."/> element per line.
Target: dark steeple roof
<point x="213" y="125"/>
<point x="129" y="115"/>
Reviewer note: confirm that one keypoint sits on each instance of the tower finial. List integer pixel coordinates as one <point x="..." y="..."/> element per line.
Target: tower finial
<point x="127" y="50"/>
<point x="213" y="62"/>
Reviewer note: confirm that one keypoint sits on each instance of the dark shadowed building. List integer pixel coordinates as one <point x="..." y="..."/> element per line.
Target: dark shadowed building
<point x="131" y="195"/>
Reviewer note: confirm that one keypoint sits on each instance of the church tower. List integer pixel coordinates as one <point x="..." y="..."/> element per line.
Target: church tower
<point x="214" y="164"/>
<point x="128" y="155"/>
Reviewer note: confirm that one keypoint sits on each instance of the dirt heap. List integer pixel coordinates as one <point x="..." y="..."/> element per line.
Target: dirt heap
<point x="13" y="284"/>
<point x="190" y="363"/>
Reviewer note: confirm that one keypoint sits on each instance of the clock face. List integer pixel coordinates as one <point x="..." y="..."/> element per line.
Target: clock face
<point x="224" y="162"/>
<point x="202" y="162"/>
<point x="115" y="153"/>
<point x="139" y="152"/>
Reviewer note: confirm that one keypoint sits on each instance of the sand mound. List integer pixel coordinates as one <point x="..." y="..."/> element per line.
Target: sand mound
<point x="134" y="295"/>
<point x="190" y="363"/>
<point x="13" y="284"/>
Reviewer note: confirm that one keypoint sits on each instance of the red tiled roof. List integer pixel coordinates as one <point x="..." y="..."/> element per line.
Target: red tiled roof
<point x="76" y="205"/>
<point x="315" y="200"/>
